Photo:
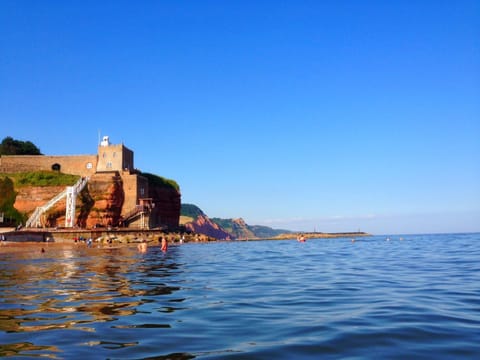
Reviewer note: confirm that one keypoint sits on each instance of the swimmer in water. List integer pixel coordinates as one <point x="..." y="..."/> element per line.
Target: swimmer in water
<point x="142" y="247"/>
<point x="164" y="244"/>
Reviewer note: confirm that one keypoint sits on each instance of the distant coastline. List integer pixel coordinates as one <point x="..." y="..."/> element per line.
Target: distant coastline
<point x="321" y="235"/>
<point x="128" y="236"/>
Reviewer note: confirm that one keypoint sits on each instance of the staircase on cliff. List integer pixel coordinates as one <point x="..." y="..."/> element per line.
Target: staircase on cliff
<point x="70" y="193"/>
<point x="140" y="214"/>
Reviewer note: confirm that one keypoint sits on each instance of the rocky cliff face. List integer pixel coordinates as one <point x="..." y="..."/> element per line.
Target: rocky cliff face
<point x="195" y="220"/>
<point x="203" y="225"/>
<point x="242" y="230"/>
<point x="167" y="205"/>
<point x="30" y="197"/>
<point x="99" y="204"/>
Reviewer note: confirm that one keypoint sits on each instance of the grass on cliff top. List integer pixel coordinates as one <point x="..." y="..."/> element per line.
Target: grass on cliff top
<point x="185" y="219"/>
<point x="161" y="181"/>
<point x="191" y="211"/>
<point x="42" y="178"/>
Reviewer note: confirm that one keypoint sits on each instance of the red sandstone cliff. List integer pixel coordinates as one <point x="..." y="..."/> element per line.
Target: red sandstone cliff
<point x="203" y="225"/>
<point x="30" y="197"/>
<point x="167" y="205"/>
<point x="100" y="203"/>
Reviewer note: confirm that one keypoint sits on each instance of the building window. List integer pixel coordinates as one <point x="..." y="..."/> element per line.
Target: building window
<point x="109" y="165"/>
<point x="142" y="191"/>
<point x="114" y="154"/>
<point x="89" y="165"/>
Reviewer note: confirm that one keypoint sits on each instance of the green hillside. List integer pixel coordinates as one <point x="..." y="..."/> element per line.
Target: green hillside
<point x="240" y="230"/>
<point x="10" y="215"/>
<point x="190" y="210"/>
<point x="237" y="228"/>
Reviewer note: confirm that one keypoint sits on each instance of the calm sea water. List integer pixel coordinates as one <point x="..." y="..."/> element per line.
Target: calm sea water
<point x="413" y="298"/>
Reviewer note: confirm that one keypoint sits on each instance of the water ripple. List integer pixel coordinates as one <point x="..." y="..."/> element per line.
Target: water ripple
<point x="411" y="298"/>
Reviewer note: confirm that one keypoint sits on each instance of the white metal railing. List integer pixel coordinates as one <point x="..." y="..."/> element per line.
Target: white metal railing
<point x="34" y="219"/>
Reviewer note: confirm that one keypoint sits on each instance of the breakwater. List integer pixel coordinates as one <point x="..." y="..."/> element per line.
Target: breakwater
<point x="321" y="235"/>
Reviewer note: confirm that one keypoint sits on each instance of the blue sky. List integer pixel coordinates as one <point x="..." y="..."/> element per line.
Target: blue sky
<point x="304" y="115"/>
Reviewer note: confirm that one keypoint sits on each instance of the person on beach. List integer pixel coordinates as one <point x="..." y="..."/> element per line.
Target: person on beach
<point x="142" y="247"/>
<point x="164" y="244"/>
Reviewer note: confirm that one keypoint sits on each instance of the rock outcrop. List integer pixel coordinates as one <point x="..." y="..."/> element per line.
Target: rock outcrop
<point x="203" y="225"/>
<point x="194" y="219"/>
<point x="102" y="201"/>
<point x="30" y="197"/>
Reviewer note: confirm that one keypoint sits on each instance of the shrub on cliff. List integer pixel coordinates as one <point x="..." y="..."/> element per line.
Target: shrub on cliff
<point x="161" y="181"/>
<point x="191" y="211"/>
<point x="45" y="178"/>
<point x="10" y="146"/>
<point x="7" y="199"/>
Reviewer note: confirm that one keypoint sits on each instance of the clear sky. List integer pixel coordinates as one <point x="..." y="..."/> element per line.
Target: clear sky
<point x="301" y="115"/>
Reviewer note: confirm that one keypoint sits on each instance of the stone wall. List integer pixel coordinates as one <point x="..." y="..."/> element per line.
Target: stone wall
<point x="82" y="165"/>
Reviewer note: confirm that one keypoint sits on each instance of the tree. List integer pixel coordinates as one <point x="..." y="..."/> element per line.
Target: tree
<point x="10" y="146"/>
<point x="7" y="199"/>
<point x="7" y="193"/>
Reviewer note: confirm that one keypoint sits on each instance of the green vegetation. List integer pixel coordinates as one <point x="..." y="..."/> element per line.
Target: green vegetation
<point x="240" y="230"/>
<point x="161" y="181"/>
<point x="10" y="146"/>
<point x="44" y="178"/>
<point x="226" y="224"/>
<point x="7" y="192"/>
<point x="191" y="211"/>
<point x="8" y="183"/>
<point x="265" y="232"/>
<point x="7" y="199"/>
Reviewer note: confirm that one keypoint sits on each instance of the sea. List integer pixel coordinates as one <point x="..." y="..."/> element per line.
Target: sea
<point x="377" y="297"/>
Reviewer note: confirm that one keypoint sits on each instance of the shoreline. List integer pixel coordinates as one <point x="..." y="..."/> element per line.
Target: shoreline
<point x="100" y="236"/>
<point x="128" y="236"/>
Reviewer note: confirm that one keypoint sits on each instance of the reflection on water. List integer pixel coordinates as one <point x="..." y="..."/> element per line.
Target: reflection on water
<point x="47" y="292"/>
<point x="410" y="298"/>
<point x="78" y="288"/>
<point x="25" y="349"/>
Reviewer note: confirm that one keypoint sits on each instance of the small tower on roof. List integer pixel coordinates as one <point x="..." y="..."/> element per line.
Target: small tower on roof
<point x="105" y="141"/>
<point x="114" y="157"/>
